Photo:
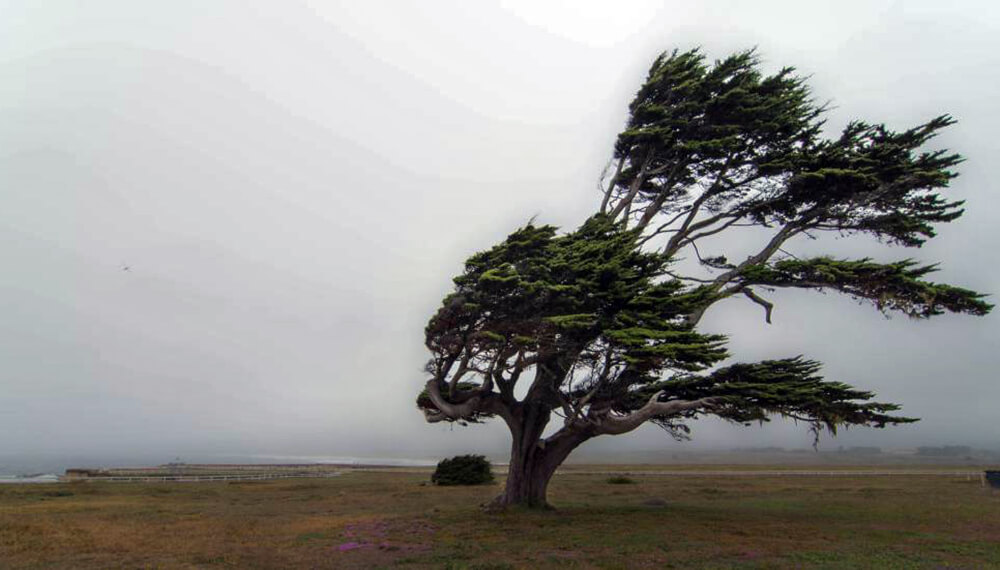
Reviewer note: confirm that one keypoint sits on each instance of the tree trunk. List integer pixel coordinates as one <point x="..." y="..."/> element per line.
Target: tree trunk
<point x="527" y="483"/>
<point x="533" y="460"/>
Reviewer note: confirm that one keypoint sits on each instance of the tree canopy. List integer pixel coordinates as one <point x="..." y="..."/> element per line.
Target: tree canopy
<point x="604" y="318"/>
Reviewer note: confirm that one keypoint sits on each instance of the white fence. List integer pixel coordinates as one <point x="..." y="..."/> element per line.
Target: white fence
<point x="200" y="478"/>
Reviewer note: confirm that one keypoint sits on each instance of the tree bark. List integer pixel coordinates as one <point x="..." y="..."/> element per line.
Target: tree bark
<point x="533" y="460"/>
<point x="526" y="484"/>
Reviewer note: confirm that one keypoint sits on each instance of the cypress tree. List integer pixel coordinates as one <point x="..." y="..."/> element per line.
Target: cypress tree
<point x="598" y="326"/>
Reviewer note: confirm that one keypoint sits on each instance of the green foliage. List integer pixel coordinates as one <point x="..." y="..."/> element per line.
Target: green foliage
<point x="788" y="387"/>
<point x="688" y="112"/>
<point x="871" y="180"/>
<point x="894" y="286"/>
<point x="744" y="144"/>
<point x="620" y="480"/>
<point x="463" y="470"/>
<point x="690" y="119"/>
<point x="578" y="295"/>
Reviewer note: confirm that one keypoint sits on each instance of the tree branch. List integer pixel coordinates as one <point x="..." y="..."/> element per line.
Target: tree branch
<point x="683" y="231"/>
<point x="464" y="410"/>
<point x="613" y="425"/>
<point x="664" y="228"/>
<point x="695" y="237"/>
<point x="768" y="306"/>
<point x="483" y="402"/>
<point x="463" y="367"/>
<point x="763" y="255"/>
<point x="633" y="188"/>
<point x="611" y="185"/>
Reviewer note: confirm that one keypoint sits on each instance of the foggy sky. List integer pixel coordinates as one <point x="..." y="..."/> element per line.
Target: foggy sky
<point x="292" y="185"/>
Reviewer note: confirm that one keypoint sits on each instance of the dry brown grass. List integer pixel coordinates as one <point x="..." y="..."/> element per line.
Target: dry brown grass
<point x="717" y="522"/>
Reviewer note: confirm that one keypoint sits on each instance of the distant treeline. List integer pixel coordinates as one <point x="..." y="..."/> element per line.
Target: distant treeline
<point x="945" y="451"/>
<point x="857" y="450"/>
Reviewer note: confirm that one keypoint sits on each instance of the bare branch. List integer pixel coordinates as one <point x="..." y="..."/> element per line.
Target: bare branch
<point x="434" y="416"/>
<point x="482" y="401"/>
<point x="463" y="368"/>
<point x="611" y="185"/>
<point x="763" y="255"/>
<point x="625" y="203"/>
<point x="464" y="410"/>
<point x="683" y="278"/>
<point x="768" y="306"/>
<point x="654" y="408"/>
<point x="697" y="236"/>
<point x="665" y="227"/>
<point x="787" y="253"/>
<point x="697" y="253"/>
<point x="654" y="207"/>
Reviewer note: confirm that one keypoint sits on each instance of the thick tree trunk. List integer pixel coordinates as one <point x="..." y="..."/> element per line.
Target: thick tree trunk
<point x="527" y="483"/>
<point x="533" y="460"/>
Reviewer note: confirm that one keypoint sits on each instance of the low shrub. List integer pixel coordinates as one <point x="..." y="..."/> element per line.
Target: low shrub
<point x="620" y="480"/>
<point x="463" y="470"/>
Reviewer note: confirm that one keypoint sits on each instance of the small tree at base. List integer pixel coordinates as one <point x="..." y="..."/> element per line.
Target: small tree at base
<point x="604" y="319"/>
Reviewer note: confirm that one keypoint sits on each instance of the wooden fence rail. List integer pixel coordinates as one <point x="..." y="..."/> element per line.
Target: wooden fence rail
<point x="199" y="478"/>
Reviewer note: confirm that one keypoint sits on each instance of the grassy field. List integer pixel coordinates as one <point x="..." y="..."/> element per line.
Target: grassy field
<point x="392" y="519"/>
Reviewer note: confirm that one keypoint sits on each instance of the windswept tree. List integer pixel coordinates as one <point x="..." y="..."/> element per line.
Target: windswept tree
<point x="599" y="326"/>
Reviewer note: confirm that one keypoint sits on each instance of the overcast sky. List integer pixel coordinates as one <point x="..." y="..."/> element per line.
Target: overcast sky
<point x="292" y="185"/>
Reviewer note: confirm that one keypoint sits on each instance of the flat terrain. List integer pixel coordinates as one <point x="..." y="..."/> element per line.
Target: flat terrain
<point x="393" y="519"/>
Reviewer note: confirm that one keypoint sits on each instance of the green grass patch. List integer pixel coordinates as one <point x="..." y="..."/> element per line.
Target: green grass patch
<point x="387" y="520"/>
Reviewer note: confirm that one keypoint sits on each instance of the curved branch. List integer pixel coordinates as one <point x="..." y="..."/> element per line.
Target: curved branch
<point x="434" y="416"/>
<point x="654" y="408"/>
<point x="482" y="402"/>
<point x="768" y="306"/>
<point x="452" y="411"/>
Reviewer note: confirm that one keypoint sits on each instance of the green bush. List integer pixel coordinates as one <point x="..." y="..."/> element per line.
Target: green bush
<point x="620" y="480"/>
<point x="463" y="470"/>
